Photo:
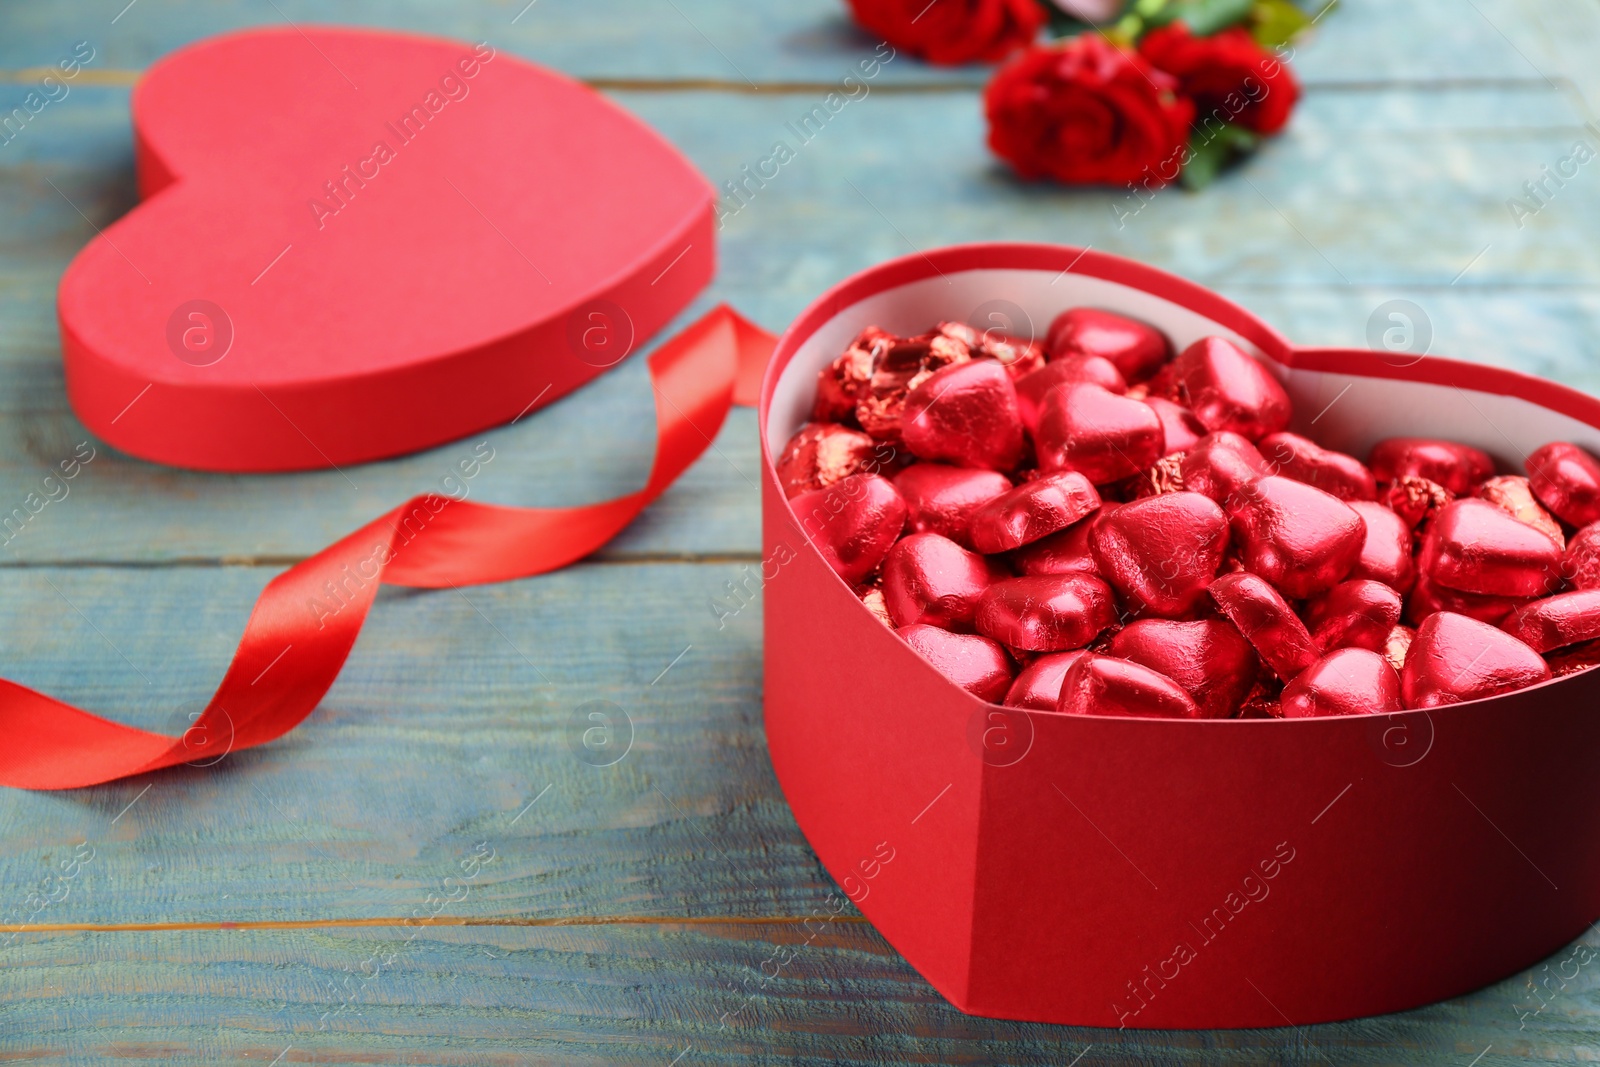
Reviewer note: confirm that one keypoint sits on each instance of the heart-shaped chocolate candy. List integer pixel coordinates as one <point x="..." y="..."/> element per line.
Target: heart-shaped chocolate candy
<point x="975" y="663"/>
<point x="1038" y="686"/>
<point x="1354" y="614"/>
<point x="853" y="523"/>
<point x="1513" y="494"/>
<point x="1454" y="659"/>
<point x="930" y="579"/>
<point x="1299" y="538"/>
<point x="1267" y="621"/>
<point x="1386" y="552"/>
<point x="1567" y="480"/>
<point x="1106" y="685"/>
<point x="1084" y="427"/>
<point x="1033" y="388"/>
<point x="1136" y="348"/>
<point x="1475" y="547"/>
<point x="1556" y="621"/>
<point x="1161" y="551"/>
<point x="1427" y="597"/>
<point x="1454" y="466"/>
<point x="1302" y="459"/>
<point x="1580" y="563"/>
<point x="941" y="499"/>
<point x="1227" y="390"/>
<point x="820" y="454"/>
<point x="1033" y="510"/>
<point x="967" y="414"/>
<point x="1066" y="552"/>
<point x="1222" y="464"/>
<point x="1050" y="613"/>
<point x="1209" y="658"/>
<point x="1180" y="430"/>
<point x="1348" y="681"/>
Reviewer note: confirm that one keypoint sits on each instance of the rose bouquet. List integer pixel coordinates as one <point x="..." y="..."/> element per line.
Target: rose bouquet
<point x="1142" y="92"/>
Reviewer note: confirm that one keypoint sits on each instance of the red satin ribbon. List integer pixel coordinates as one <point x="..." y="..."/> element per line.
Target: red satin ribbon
<point x="296" y="642"/>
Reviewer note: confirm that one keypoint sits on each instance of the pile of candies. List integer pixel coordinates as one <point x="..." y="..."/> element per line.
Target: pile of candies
<point x="1092" y="526"/>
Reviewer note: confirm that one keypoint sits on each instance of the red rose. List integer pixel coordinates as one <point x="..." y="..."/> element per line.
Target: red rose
<point x="1230" y="76"/>
<point x="952" y="31"/>
<point x="1086" y="111"/>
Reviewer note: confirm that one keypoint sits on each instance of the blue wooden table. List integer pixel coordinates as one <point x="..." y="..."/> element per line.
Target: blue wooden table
<point x="251" y="912"/>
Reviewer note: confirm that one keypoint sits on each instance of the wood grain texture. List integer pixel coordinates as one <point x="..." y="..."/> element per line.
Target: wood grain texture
<point x="808" y="40"/>
<point x="609" y="995"/>
<point x="680" y="862"/>
<point x="1372" y="196"/>
<point x="456" y="710"/>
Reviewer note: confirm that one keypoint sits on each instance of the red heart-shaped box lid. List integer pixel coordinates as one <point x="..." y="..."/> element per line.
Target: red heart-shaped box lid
<point x="356" y="244"/>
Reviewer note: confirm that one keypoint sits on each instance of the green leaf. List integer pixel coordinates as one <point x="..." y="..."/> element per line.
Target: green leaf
<point x="1204" y="17"/>
<point x="1277" y="22"/>
<point x="1210" y="151"/>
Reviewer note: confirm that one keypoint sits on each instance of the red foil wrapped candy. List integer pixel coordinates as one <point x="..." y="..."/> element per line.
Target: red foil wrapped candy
<point x="1415" y="500"/>
<point x="1580" y="564"/>
<point x="1227" y="390"/>
<point x="1386" y="553"/>
<point x="1066" y="552"/>
<point x="898" y="367"/>
<point x="1513" y="494"/>
<point x="1046" y="614"/>
<point x="1566" y="479"/>
<point x="1354" y="614"/>
<point x="1455" y="466"/>
<point x="853" y="523"/>
<point x="941" y="499"/>
<point x="1267" y="621"/>
<point x="1137" y="350"/>
<point x="1180" y="430"/>
<point x="1033" y="510"/>
<point x="1299" y="538"/>
<point x="975" y="663"/>
<point x="931" y="579"/>
<point x="1556" y="621"/>
<point x="1161" y="552"/>
<point x="1220" y="465"/>
<point x="1038" y="686"/>
<point x="841" y="383"/>
<point x="1454" y="659"/>
<point x="1106" y="685"/>
<point x="1302" y="459"/>
<point x="967" y="414"/>
<point x="1209" y="658"/>
<point x="823" y="453"/>
<point x="1084" y="427"/>
<point x="1033" y="388"/>
<point x="1476" y="547"/>
<point x="1349" y="681"/>
<point x="1426" y="598"/>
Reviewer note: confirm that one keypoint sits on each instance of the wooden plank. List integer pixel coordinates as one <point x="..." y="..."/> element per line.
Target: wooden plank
<point x="742" y="43"/>
<point x="455" y="712"/>
<point x="668" y="994"/>
<point x="1282" y="236"/>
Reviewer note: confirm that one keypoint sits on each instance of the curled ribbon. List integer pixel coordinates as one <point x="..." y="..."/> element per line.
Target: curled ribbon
<point x="289" y="656"/>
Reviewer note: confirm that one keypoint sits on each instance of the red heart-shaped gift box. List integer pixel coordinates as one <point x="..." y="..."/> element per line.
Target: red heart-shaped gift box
<point x="1174" y="873"/>
<point x="356" y="244"/>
